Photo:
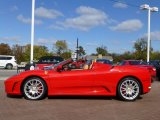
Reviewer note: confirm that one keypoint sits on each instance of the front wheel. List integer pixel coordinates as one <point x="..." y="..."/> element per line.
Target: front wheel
<point x="34" y="89"/>
<point x="129" y="89"/>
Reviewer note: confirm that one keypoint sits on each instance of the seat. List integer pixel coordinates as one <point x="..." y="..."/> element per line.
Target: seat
<point x="91" y="65"/>
<point x="85" y="67"/>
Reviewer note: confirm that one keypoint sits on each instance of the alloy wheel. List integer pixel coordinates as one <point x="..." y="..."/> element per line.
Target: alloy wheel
<point x="129" y="89"/>
<point x="34" y="89"/>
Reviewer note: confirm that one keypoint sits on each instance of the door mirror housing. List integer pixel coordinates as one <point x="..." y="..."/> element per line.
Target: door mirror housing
<point x="59" y="68"/>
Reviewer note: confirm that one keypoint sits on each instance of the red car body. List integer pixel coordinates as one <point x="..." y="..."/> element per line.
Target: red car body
<point x="137" y="63"/>
<point x="100" y="80"/>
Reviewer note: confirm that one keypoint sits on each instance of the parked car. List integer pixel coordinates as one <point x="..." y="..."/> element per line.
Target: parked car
<point x="132" y="62"/>
<point x="99" y="80"/>
<point x="156" y="64"/>
<point x="141" y="63"/>
<point x="105" y="61"/>
<point x="7" y="61"/>
<point x="47" y="61"/>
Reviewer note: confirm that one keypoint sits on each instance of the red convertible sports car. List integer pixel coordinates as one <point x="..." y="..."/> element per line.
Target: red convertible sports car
<point x="126" y="82"/>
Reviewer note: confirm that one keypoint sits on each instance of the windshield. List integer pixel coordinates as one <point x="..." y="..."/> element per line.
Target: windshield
<point x="121" y="63"/>
<point x="56" y="65"/>
<point x="137" y="63"/>
<point x="61" y="63"/>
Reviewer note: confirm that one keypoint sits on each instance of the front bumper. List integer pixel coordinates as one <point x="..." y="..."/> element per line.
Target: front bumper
<point x="13" y="86"/>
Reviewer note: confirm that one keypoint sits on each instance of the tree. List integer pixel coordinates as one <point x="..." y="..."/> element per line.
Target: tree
<point x="39" y="51"/>
<point x="5" y="49"/>
<point x="18" y="52"/>
<point x="102" y="50"/>
<point x="141" y="49"/>
<point x="127" y="55"/>
<point x="81" y="51"/>
<point x="116" y="57"/>
<point x="155" y="55"/>
<point x="60" y="46"/>
<point x="66" y="55"/>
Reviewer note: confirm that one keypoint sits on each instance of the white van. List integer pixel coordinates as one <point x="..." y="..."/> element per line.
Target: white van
<point x="7" y="61"/>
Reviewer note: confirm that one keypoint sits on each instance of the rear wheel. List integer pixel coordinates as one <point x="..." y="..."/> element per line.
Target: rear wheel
<point x="34" y="89"/>
<point x="9" y="66"/>
<point x="129" y="89"/>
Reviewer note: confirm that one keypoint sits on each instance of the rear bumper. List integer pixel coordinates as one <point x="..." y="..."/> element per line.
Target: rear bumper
<point x="147" y="89"/>
<point x="146" y="86"/>
<point x="153" y="78"/>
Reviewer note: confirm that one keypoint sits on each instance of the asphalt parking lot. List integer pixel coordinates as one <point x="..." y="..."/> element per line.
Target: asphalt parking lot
<point x="4" y="73"/>
<point x="81" y="108"/>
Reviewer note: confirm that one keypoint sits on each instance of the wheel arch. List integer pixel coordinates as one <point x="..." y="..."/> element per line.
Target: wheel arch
<point x="8" y="64"/>
<point x="32" y="77"/>
<point x="141" y="85"/>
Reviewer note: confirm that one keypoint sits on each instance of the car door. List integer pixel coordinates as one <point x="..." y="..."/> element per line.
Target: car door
<point x="78" y="82"/>
<point x="2" y="61"/>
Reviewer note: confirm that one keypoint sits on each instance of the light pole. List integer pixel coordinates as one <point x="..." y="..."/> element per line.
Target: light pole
<point x="77" y="50"/>
<point x="32" y="31"/>
<point x="150" y="9"/>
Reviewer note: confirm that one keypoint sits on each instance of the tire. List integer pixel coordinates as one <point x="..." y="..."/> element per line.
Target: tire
<point x="34" y="89"/>
<point x="9" y="66"/>
<point x="129" y="89"/>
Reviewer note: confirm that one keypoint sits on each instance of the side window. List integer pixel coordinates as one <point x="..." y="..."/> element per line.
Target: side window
<point x="43" y="60"/>
<point x="40" y="61"/>
<point x="131" y="62"/>
<point x="46" y="60"/>
<point x="50" y="60"/>
<point x="57" y="60"/>
<point x="2" y="58"/>
<point x="8" y="58"/>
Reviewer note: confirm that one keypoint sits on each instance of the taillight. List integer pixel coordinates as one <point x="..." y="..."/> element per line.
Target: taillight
<point x="154" y="69"/>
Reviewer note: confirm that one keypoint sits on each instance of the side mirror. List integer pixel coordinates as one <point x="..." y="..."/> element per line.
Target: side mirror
<point x="59" y="68"/>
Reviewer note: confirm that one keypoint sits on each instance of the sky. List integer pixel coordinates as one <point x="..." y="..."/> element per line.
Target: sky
<point x="116" y="24"/>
